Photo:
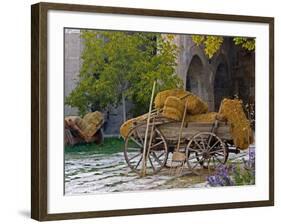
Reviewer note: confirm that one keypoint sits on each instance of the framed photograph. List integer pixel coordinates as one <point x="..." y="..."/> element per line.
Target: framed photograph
<point x="139" y="111"/>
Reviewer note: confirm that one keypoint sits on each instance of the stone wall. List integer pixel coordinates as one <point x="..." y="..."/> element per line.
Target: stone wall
<point x="230" y="71"/>
<point x="72" y="55"/>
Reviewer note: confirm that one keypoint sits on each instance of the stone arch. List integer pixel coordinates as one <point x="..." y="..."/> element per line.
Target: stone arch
<point x="220" y="59"/>
<point x="222" y="82"/>
<point x="194" y="74"/>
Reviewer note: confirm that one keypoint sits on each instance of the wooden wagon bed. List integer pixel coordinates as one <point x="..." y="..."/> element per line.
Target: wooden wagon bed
<point x="204" y="144"/>
<point x="170" y="128"/>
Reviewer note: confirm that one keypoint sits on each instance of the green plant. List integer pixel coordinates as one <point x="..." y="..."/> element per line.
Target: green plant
<point x="212" y="44"/>
<point x="246" y="43"/>
<point x="118" y="66"/>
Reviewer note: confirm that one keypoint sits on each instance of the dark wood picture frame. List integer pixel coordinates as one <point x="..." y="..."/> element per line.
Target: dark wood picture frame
<point x="39" y="106"/>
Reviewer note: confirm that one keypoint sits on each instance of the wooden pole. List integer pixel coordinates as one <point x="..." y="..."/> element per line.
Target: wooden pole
<point x="143" y="168"/>
<point x="182" y="123"/>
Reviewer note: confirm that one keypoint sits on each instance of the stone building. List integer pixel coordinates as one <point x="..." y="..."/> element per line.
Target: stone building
<point x="231" y="71"/>
<point x="73" y="48"/>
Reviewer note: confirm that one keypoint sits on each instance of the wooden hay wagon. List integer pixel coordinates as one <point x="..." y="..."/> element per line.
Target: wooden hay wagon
<point x="149" y="145"/>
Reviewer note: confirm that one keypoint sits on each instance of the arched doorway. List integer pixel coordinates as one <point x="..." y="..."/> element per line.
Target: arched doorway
<point x="194" y="76"/>
<point x="222" y="87"/>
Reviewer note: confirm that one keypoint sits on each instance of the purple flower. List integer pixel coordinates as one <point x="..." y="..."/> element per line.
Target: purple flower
<point x="220" y="178"/>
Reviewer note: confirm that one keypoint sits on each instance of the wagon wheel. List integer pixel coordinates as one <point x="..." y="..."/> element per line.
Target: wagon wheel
<point x="205" y="150"/>
<point x="134" y="145"/>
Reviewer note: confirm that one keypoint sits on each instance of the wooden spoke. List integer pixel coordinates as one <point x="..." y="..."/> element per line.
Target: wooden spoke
<point x="137" y="142"/>
<point x="218" y="159"/>
<point x="218" y="141"/>
<point x="139" y="136"/>
<point x="209" y="140"/>
<point x="138" y="163"/>
<point x="151" y="163"/>
<point x="155" y="145"/>
<point x="219" y="154"/>
<point x="216" y="151"/>
<point x="198" y="162"/>
<point x="202" y="140"/>
<point x="198" y="144"/>
<point x="195" y="157"/>
<point x="194" y="150"/>
<point x="157" y="157"/>
<point x="135" y="156"/>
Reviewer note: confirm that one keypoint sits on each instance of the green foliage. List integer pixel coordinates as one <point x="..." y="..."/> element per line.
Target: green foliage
<point x="246" y="43"/>
<point x="212" y="44"/>
<point x="243" y="176"/>
<point x="198" y="39"/>
<point x="116" y="63"/>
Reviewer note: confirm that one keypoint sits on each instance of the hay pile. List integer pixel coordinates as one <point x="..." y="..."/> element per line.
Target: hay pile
<point x="173" y="108"/>
<point x="126" y="126"/>
<point x="240" y="126"/>
<point x="195" y="105"/>
<point x="90" y="124"/>
<point x="162" y="96"/>
<point x="87" y="126"/>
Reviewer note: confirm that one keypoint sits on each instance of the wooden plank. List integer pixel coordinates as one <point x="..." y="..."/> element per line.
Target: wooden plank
<point x="171" y="131"/>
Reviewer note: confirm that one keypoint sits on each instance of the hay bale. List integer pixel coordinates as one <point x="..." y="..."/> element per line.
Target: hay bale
<point x="81" y="124"/>
<point x="172" y="113"/>
<point x="127" y="126"/>
<point x="195" y="105"/>
<point x="174" y="102"/>
<point x="91" y="123"/>
<point x="162" y="96"/>
<point x="173" y="108"/>
<point x="240" y="126"/>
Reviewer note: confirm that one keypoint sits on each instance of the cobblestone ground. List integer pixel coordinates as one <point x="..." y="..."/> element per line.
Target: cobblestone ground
<point x="98" y="173"/>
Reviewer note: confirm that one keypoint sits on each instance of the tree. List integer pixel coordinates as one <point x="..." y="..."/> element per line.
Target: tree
<point x="118" y="66"/>
<point x="212" y="44"/>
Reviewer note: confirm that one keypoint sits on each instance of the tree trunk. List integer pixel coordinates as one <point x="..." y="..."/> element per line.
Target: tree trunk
<point x="124" y="107"/>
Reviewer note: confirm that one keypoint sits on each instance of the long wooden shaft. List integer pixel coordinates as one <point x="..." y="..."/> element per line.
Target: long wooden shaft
<point x="182" y="123"/>
<point x="143" y="171"/>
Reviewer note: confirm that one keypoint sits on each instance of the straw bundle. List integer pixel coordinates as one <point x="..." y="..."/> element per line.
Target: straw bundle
<point x="195" y="105"/>
<point x="172" y="113"/>
<point x="162" y="96"/>
<point x="127" y="126"/>
<point x="173" y="108"/>
<point x="240" y="126"/>
<point x="91" y="123"/>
